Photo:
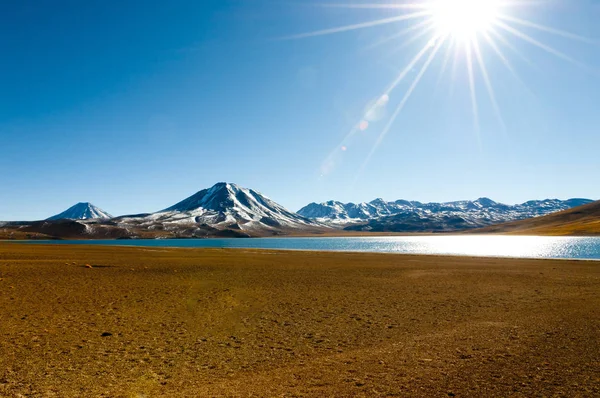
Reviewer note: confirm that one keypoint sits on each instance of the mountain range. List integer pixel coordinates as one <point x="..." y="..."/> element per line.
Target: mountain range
<point x="225" y="210"/>
<point x="229" y="210"/>
<point x="581" y="220"/>
<point x="412" y="216"/>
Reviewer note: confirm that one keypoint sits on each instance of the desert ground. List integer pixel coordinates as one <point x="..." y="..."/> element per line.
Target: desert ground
<point x="90" y="321"/>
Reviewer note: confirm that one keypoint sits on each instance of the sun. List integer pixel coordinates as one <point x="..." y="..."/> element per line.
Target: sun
<point x="467" y="33"/>
<point x="463" y="20"/>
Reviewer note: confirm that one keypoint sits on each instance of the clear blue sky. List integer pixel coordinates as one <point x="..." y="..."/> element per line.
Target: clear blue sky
<point x="135" y="105"/>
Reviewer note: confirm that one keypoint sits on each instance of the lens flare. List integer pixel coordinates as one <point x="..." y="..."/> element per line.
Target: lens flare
<point x="463" y="20"/>
<point x="456" y="29"/>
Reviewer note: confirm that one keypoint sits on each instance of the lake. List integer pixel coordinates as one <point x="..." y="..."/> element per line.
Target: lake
<point x="463" y="245"/>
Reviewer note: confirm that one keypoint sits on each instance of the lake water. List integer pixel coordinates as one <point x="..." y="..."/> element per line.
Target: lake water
<point x="463" y="245"/>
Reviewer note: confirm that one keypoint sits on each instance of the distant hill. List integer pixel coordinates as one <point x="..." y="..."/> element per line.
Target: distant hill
<point x="82" y="211"/>
<point x="579" y="221"/>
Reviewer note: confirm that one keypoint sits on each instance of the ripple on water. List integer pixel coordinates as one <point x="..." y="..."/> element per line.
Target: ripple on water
<point x="460" y="245"/>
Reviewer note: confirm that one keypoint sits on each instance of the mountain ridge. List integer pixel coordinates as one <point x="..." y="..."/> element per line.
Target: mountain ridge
<point x="581" y="220"/>
<point x="334" y="212"/>
<point x="229" y="210"/>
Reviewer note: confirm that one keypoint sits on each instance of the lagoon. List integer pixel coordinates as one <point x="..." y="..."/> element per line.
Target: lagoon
<point x="457" y="245"/>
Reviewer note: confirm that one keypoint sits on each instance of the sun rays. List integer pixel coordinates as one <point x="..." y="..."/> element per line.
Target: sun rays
<point x="451" y="29"/>
<point x="463" y="19"/>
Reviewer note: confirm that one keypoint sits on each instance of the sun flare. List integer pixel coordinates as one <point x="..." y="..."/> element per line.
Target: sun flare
<point x="471" y="33"/>
<point x="463" y="19"/>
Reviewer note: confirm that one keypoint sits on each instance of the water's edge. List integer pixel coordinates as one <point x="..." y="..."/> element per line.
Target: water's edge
<point x="499" y="257"/>
<point x="525" y="247"/>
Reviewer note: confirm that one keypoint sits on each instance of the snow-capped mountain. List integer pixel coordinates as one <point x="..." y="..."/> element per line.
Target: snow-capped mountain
<point x="228" y="210"/>
<point x="338" y="212"/>
<point x="224" y="206"/>
<point x="402" y="215"/>
<point x="82" y="211"/>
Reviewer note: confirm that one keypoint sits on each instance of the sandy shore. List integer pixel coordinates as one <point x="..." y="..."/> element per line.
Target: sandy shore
<point x="146" y="322"/>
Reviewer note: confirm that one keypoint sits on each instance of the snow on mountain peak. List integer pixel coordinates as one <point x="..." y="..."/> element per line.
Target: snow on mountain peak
<point x="486" y="202"/>
<point x="82" y="211"/>
<point x="481" y="211"/>
<point x="229" y="204"/>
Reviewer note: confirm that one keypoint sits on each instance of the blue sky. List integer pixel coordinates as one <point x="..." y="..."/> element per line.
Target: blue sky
<point x="134" y="105"/>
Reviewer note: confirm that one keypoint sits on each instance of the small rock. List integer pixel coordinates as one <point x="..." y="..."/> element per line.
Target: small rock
<point x="106" y="334"/>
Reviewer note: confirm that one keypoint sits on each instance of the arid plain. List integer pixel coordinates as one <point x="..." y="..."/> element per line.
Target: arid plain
<point x="143" y="322"/>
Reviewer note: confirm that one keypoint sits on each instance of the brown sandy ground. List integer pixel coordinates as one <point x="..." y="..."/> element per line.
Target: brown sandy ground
<point x="196" y="323"/>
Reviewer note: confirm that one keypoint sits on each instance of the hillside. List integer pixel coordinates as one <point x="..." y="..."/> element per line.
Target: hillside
<point x="579" y="221"/>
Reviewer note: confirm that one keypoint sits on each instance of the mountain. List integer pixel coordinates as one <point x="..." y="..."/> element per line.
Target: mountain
<point x="82" y="211"/>
<point x="227" y="203"/>
<point x="338" y="212"/>
<point x="411" y="216"/>
<point x="418" y="222"/>
<point x="228" y="210"/>
<point x="581" y="220"/>
<point x="225" y="208"/>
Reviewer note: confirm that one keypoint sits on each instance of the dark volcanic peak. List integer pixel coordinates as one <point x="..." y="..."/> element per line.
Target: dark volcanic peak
<point x="82" y="211"/>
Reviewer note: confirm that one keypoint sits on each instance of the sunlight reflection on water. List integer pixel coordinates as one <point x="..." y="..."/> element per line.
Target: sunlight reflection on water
<point x="462" y="245"/>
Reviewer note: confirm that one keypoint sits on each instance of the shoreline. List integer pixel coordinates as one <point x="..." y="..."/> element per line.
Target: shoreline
<point x="292" y="250"/>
